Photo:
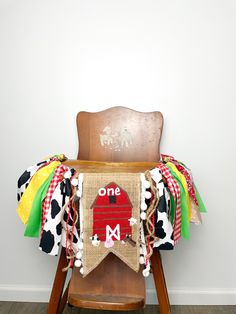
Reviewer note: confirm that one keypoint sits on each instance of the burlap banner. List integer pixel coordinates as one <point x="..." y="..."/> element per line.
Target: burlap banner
<point x="111" y="218"/>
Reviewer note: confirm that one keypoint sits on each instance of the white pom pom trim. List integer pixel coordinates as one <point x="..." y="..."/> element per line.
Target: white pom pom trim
<point x="143" y="206"/>
<point x="78" y="263"/>
<point x="147" y="184"/>
<point x="81" y="270"/>
<point x="141" y="260"/>
<point x="143" y="215"/>
<point x="80" y="245"/>
<point x="146" y="272"/>
<point x="79" y="255"/>
<point x="148" y="195"/>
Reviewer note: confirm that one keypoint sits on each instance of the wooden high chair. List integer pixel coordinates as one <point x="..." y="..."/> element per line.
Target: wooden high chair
<point x="130" y="140"/>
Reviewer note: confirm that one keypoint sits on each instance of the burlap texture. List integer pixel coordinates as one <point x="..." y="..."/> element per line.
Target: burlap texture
<point x="92" y="256"/>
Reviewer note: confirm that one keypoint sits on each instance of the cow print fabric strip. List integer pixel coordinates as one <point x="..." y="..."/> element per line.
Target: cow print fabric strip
<point x="163" y="227"/>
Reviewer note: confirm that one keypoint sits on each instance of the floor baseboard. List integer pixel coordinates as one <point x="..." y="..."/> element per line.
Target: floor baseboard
<point x="177" y="296"/>
<point x="196" y="297"/>
<point x="24" y="293"/>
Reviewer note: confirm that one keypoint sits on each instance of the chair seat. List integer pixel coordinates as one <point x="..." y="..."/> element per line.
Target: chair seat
<point x="111" y="286"/>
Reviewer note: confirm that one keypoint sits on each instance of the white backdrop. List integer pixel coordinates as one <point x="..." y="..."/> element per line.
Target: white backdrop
<point x="60" y="57"/>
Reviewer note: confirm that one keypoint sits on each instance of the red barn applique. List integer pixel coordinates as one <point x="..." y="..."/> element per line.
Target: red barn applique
<point x="111" y="210"/>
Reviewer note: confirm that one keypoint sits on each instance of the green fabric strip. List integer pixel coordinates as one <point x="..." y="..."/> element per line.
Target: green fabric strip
<point x="185" y="233"/>
<point x="201" y="205"/>
<point x="172" y="209"/>
<point x="34" y="222"/>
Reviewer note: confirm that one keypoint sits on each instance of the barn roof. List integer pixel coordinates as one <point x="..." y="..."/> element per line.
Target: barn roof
<point x="113" y="185"/>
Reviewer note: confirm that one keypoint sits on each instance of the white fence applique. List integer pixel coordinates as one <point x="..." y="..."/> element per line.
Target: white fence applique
<point x="112" y="233"/>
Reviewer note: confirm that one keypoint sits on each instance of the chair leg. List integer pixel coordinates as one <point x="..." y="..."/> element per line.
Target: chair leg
<point x="63" y="300"/>
<point x="58" y="285"/>
<point x="159" y="279"/>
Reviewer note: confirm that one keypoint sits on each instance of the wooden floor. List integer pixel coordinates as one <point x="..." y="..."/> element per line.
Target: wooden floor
<point x="40" y="308"/>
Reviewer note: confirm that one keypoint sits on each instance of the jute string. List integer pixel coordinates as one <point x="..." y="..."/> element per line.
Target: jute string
<point x="150" y="237"/>
<point x="70" y="256"/>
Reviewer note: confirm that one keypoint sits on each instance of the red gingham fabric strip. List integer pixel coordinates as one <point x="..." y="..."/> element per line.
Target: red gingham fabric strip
<point x="53" y="184"/>
<point x="188" y="180"/>
<point x="175" y="191"/>
<point x="186" y="174"/>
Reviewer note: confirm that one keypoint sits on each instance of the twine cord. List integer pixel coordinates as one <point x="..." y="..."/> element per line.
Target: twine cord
<point x="69" y="233"/>
<point x="150" y="237"/>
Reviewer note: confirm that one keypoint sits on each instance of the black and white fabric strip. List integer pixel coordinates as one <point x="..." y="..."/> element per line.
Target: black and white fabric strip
<point x="163" y="227"/>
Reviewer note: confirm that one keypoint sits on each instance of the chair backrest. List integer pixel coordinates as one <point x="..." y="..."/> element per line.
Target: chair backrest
<point x="119" y="134"/>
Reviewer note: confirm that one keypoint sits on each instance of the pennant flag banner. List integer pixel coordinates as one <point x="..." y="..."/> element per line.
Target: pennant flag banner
<point x="111" y="214"/>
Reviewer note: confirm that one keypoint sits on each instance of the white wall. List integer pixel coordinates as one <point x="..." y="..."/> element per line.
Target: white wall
<point x="60" y="57"/>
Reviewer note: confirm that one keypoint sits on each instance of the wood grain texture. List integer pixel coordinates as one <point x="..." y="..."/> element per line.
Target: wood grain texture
<point x="145" y="129"/>
<point x="40" y="308"/>
<point x="112" y="285"/>
<point x="160" y="284"/>
<point x="86" y="166"/>
<point x="56" y="302"/>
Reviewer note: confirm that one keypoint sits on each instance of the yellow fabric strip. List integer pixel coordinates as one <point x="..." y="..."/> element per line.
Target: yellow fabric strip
<point x="183" y="181"/>
<point x="37" y="180"/>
